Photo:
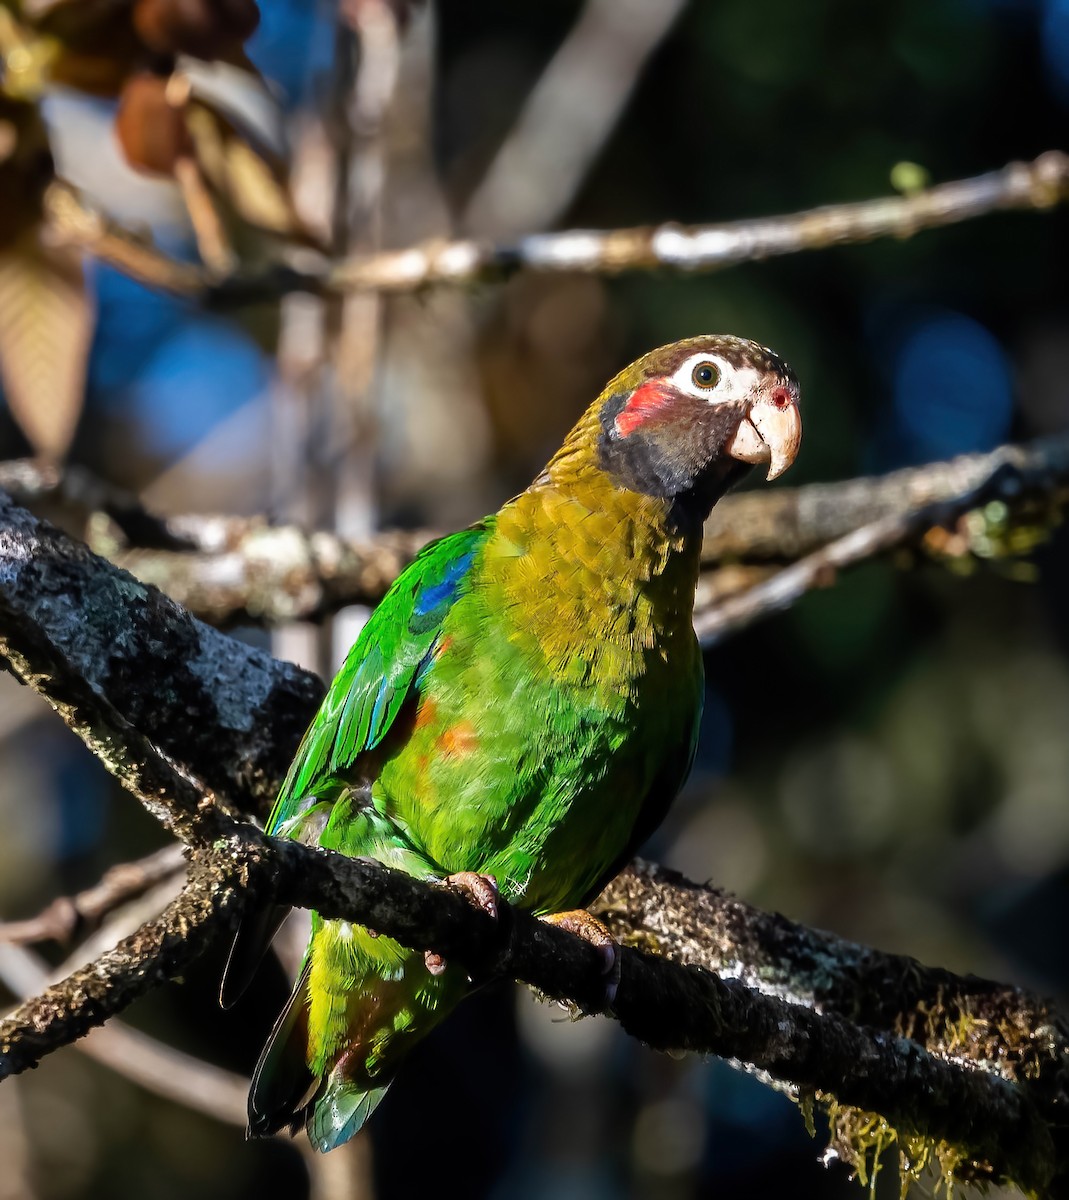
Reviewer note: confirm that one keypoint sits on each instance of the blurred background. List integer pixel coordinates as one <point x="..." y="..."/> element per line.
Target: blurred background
<point x="887" y="760"/>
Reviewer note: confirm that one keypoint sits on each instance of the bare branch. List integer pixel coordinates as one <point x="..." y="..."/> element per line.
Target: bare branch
<point x="1014" y="478"/>
<point x="160" y="950"/>
<point x="68" y="916"/>
<point x="570" y="113"/>
<point x="1034" y="186"/>
<point x="782" y="524"/>
<point x="273" y="574"/>
<point x="230" y="570"/>
<point x="88" y="634"/>
<point x="143" y="1060"/>
<point x="664" y="1004"/>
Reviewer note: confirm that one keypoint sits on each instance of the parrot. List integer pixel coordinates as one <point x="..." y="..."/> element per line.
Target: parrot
<point x="516" y="715"/>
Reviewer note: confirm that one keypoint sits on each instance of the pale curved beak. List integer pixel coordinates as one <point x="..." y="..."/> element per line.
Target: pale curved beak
<point x="771" y="432"/>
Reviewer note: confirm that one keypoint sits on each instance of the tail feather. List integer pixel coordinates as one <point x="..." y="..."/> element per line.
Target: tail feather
<point x="254" y="935"/>
<point x="282" y="1081"/>
<point x="340" y="1109"/>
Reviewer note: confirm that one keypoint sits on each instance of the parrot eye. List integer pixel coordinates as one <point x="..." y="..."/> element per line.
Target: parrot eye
<point x="705" y="375"/>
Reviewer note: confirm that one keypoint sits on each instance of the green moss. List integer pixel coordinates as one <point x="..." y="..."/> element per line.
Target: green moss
<point x="863" y="1141"/>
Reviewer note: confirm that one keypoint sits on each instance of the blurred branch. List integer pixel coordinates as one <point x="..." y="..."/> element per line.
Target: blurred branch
<point x="68" y="916"/>
<point x="157" y="1068"/>
<point x="1014" y="477"/>
<point x="1034" y="186"/>
<point x="231" y="570"/>
<point x="1001" y="1126"/>
<point x="160" y="950"/>
<point x="570" y="113"/>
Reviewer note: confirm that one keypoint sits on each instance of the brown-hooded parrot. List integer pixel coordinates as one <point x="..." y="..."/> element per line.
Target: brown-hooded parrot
<point x="523" y="705"/>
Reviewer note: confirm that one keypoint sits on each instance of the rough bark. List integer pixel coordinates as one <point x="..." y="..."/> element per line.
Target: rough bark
<point x="228" y="713"/>
<point x="815" y="1013"/>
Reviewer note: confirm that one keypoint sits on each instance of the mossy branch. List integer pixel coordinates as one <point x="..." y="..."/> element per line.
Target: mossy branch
<point x="120" y="663"/>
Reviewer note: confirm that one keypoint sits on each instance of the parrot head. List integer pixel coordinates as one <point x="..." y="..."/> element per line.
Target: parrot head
<point x="684" y="422"/>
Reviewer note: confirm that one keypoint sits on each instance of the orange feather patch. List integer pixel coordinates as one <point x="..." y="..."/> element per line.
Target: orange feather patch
<point x="460" y="739"/>
<point x="426" y="712"/>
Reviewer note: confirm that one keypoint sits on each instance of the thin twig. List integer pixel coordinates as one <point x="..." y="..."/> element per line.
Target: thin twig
<point x="68" y="916"/>
<point x="727" y="616"/>
<point x="1034" y="186"/>
<point x="160" y="950"/>
<point x="212" y="242"/>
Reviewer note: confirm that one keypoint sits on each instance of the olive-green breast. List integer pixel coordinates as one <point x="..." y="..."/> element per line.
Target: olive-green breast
<point x="567" y="684"/>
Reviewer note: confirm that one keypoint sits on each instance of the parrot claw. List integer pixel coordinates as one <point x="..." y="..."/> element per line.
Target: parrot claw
<point x="481" y="891"/>
<point x="590" y="929"/>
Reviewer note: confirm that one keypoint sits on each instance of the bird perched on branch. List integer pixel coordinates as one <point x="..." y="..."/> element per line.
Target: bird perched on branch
<point x="517" y="714"/>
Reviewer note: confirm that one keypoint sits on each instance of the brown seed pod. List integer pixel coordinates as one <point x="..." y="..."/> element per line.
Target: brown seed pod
<point x="152" y="132"/>
<point x="203" y="28"/>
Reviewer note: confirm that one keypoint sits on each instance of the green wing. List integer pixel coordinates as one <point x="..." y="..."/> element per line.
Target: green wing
<point x="379" y="673"/>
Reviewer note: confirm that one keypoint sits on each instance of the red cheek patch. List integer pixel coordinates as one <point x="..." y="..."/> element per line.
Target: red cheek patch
<point x="646" y="402"/>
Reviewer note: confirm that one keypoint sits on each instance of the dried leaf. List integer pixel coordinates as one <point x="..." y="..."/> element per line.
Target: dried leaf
<point x="251" y="179"/>
<point x="46" y="324"/>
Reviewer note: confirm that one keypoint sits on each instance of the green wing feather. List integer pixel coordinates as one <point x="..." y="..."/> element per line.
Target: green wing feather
<point x="380" y="672"/>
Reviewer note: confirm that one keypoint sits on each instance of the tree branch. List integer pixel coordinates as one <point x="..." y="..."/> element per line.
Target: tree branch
<point x="994" y="1122"/>
<point x="87" y="632"/>
<point x="52" y="593"/>
<point x="240" y="570"/>
<point x="157" y="1068"/>
<point x="1026" y="186"/>
<point x="961" y="1018"/>
<point x="160" y="950"/>
<point x="783" y="524"/>
<point x="568" y="116"/>
<point x="70" y="916"/>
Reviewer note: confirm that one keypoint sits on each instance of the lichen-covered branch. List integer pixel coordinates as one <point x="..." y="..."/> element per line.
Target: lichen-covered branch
<point x="1028" y="186"/>
<point x="230" y="570"/>
<point x="994" y="1122"/>
<point x="965" y="1018"/>
<point x="57" y="601"/>
<point x="230" y="715"/>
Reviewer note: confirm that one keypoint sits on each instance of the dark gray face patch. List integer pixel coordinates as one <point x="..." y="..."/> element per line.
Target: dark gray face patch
<point x="679" y="457"/>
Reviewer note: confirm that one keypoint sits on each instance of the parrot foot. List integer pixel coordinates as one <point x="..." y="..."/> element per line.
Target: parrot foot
<point x="481" y="891"/>
<point x="590" y="929"/>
